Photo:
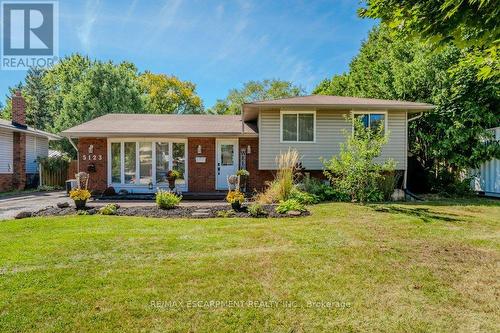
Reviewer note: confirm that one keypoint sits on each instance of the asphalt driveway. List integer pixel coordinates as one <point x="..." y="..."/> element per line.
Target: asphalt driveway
<point x="10" y="206"/>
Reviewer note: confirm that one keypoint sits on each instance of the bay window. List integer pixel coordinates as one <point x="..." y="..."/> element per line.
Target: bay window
<point x="130" y="165"/>
<point x="116" y="162"/>
<point x="162" y="162"/>
<point x="298" y="126"/>
<point x="146" y="162"/>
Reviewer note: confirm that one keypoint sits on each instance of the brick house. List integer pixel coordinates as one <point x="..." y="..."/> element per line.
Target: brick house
<point x="20" y="146"/>
<point x="135" y="151"/>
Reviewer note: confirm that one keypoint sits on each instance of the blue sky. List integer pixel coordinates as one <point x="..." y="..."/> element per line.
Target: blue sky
<point x="218" y="45"/>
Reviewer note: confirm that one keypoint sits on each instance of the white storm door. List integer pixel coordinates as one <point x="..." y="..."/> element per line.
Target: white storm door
<point x="227" y="162"/>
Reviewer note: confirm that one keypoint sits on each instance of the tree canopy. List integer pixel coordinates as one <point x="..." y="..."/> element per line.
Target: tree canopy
<point x="167" y="94"/>
<point x="471" y="25"/>
<point x="255" y="91"/>
<point x="451" y="136"/>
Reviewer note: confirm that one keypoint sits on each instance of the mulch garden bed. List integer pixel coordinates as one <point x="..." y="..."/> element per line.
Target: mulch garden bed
<point x="153" y="211"/>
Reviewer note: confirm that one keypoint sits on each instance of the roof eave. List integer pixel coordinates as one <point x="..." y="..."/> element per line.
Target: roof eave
<point x="47" y="135"/>
<point x="68" y="134"/>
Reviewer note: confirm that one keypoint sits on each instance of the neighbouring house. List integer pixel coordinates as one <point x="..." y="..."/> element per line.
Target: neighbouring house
<point x="20" y="146"/>
<point x="135" y="151"/>
<point x="487" y="176"/>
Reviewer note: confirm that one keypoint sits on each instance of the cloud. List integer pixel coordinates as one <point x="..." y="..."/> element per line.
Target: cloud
<point x="84" y="30"/>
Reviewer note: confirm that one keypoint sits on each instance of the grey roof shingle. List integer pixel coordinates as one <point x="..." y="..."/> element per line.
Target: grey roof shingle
<point x="161" y="124"/>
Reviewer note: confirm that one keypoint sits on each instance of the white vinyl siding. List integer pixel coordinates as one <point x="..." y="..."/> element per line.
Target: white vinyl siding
<point x="6" y="147"/>
<point x="35" y="147"/>
<point x="329" y="134"/>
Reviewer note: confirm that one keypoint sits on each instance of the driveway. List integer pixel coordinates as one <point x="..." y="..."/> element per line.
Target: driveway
<point x="10" y="206"/>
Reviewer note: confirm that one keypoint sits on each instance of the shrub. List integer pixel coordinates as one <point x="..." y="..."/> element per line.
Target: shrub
<point x="355" y="172"/>
<point x="387" y="183"/>
<point x="48" y="188"/>
<point x="82" y="212"/>
<point x="289" y="205"/>
<point x="281" y="187"/>
<point x="304" y="197"/>
<point x="451" y="184"/>
<point x="323" y="191"/>
<point x="167" y="200"/>
<point x="109" y="209"/>
<point x="109" y="191"/>
<point x="225" y="213"/>
<point x="256" y="210"/>
<point x="235" y="196"/>
<point x="79" y="194"/>
<point x="242" y="173"/>
<point x="285" y="177"/>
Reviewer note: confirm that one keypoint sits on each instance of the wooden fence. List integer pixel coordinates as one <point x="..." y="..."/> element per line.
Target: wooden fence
<point x="53" y="177"/>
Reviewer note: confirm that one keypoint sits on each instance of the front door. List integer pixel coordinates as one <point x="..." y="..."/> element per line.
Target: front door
<point x="227" y="161"/>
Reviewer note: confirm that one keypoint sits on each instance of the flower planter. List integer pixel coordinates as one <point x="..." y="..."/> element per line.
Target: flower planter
<point x="80" y="204"/>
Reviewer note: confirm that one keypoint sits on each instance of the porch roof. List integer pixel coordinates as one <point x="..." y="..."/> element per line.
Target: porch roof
<point x="119" y="124"/>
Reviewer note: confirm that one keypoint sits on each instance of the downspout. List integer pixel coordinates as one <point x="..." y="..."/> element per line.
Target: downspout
<point x="77" y="155"/>
<point x="406" y="171"/>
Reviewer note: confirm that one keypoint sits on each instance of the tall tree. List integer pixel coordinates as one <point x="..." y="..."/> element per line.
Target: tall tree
<point x="36" y="95"/>
<point x="167" y="94"/>
<point x="470" y="25"/>
<point x="453" y="135"/>
<point x="255" y="91"/>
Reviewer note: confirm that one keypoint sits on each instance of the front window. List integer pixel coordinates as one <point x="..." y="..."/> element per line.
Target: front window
<point x="116" y="162"/>
<point x="130" y="166"/>
<point x="179" y="160"/>
<point x="372" y="120"/>
<point x="147" y="162"/>
<point x="162" y="161"/>
<point x="298" y="126"/>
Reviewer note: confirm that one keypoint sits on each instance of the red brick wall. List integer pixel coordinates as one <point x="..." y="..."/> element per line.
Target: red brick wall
<point x="6" y="182"/>
<point x="258" y="178"/>
<point x="99" y="156"/>
<point x="201" y="176"/>
<point x="18" y="109"/>
<point x="19" y="161"/>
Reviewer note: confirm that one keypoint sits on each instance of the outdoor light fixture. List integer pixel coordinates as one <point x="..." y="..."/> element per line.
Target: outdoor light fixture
<point x="249" y="149"/>
<point x="199" y="149"/>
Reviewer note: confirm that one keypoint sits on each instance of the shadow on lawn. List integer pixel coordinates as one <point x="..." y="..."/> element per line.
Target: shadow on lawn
<point x="422" y="213"/>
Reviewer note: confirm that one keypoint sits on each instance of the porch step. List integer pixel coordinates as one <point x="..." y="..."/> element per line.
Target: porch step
<point x="201" y="213"/>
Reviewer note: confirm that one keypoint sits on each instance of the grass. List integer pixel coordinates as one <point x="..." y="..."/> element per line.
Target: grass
<point x="399" y="267"/>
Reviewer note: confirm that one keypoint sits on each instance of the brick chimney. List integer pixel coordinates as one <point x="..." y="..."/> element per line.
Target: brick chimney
<point x="19" y="142"/>
<point x="18" y="110"/>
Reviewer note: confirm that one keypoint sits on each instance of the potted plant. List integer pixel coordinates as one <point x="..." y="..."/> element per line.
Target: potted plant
<point x="172" y="175"/>
<point x="235" y="198"/>
<point x="243" y="174"/>
<point x="80" y="197"/>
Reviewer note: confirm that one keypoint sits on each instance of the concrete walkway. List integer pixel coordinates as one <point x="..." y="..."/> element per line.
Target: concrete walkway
<point x="10" y="206"/>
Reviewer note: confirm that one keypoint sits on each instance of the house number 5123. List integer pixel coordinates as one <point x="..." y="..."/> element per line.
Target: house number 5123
<point x="92" y="157"/>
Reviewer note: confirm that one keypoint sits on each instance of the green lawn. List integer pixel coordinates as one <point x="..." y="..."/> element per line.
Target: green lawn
<point x="401" y="267"/>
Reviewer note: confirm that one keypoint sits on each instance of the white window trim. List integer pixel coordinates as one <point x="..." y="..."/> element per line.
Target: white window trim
<point x="283" y="112"/>
<point x="384" y="112"/>
<point x="137" y="170"/>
